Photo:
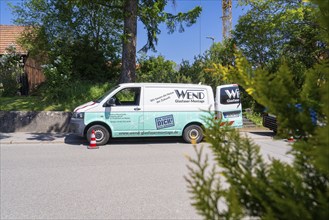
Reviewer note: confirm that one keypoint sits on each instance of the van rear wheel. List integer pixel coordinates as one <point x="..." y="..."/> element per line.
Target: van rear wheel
<point x="193" y="132"/>
<point x="101" y="133"/>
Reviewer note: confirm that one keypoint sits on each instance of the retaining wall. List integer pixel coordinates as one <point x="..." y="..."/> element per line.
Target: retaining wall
<point x="34" y="121"/>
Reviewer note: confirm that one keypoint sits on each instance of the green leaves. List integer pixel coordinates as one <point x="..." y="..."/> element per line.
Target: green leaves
<point x="156" y="69"/>
<point x="242" y="185"/>
<point x="287" y="78"/>
<point x="204" y="185"/>
<point x="11" y="69"/>
<point x="73" y="30"/>
<point x="274" y="29"/>
<point x="152" y="14"/>
<point x="189" y="18"/>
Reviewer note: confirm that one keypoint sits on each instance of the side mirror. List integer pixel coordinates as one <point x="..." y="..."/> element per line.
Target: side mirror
<point x="110" y="102"/>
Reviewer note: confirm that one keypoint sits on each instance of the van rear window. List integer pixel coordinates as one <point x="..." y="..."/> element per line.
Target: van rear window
<point x="229" y="95"/>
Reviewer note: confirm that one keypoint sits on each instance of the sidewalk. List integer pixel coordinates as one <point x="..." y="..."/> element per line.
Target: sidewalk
<point x="39" y="138"/>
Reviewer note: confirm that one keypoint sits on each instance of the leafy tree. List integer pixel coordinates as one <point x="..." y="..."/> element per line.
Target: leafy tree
<point x="201" y="70"/>
<point x="10" y="72"/>
<point x="221" y="53"/>
<point x="156" y="69"/>
<point x="192" y="73"/>
<point x="276" y="28"/>
<point x="82" y="33"/>
<point x="241" y="184"/>
<point x="60" y="26"/>
<point x="204" y="68"/>
<point x="151" y="13"/>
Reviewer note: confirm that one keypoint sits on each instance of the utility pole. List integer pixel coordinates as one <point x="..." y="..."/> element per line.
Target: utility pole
<point x="226" y="18"/>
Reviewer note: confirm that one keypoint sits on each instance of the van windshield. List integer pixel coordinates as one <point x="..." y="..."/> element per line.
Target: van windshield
<point x="106" y="94"/>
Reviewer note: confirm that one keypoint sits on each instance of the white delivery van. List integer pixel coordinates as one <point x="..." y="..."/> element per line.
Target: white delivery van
<point x="156" y="109"/>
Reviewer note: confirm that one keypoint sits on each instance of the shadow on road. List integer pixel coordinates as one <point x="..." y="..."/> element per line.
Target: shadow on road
<point x="4" y="136"/>
<point x="263" y="133"/>
<point x="146" y="140"/>
<point x="45" y="136"/>
<point x="72" y="139"/>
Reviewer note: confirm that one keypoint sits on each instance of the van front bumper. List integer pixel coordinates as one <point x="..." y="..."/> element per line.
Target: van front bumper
<point x="77" y="126"/>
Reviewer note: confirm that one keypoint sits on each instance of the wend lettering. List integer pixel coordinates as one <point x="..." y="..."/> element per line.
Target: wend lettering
<point x="190" y="94"/>
<point x="233" y="94"/>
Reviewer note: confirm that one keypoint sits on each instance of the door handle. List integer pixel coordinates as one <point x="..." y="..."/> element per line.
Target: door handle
<point x="137" y="109"/>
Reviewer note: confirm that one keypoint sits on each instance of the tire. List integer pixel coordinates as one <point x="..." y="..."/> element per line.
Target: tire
<point x="193" y="132"/>
<point x="101" y="133"/>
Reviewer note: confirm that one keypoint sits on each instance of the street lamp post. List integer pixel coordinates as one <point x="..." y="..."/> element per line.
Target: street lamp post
<point x="211" y="38"/>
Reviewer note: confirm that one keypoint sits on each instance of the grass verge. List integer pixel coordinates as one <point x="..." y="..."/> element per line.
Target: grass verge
<point x="73" y="96"/>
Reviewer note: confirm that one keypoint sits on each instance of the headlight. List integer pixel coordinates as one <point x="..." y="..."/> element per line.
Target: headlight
<point x="78" y="115"/>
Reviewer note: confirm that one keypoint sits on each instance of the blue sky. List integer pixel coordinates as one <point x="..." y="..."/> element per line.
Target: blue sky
<point x="177" y="46"/>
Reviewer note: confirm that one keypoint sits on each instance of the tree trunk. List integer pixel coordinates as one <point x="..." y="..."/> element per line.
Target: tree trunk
<point x="128" y="69"/>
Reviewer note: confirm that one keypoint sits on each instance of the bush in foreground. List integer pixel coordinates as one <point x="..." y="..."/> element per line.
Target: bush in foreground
<point x="240" y="184"/>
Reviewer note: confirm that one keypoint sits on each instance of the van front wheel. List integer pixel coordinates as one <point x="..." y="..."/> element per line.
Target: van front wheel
<point x="193" y="132"/>
<point x="101" y="133"/>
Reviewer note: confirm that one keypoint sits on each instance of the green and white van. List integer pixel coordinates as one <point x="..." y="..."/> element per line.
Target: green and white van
<point x="156" y="109"/>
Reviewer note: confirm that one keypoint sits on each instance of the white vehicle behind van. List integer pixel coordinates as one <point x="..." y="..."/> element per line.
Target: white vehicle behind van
<point x="156" y="109"/>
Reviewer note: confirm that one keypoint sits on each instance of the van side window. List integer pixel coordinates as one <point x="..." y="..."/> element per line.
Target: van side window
<point x="128" y="96"/>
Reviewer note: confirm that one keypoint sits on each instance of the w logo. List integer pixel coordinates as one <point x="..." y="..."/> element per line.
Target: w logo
<point x="233" y="94"/>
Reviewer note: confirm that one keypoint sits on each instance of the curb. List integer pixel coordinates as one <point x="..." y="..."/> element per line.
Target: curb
<point x="31" y="142"/>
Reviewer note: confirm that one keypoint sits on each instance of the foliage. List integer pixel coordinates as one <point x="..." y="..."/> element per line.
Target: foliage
<point x="81" y="33"/>
<point x="90" y="33"/>
<point x="276" y="28"/>
<point x="255" y="117"/>
<point x="58" y="79"/>
<point x="152" y="13"/>
<point x="278" y="78"/>
<point x="156" y="69"/>
<point x="277" y="32"/>
<point x="278" y="93"/>
<point x="204" y="68"/>
<point x="241" y="184"/>
<point x="10" y="72"/>
<point x="212" y="67"/>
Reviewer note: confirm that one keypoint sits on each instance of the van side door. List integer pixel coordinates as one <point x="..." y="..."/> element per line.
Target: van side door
<point x="124" y="112"/>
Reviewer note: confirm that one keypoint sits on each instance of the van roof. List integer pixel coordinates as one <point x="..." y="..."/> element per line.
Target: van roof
<point x="164" y="84"/>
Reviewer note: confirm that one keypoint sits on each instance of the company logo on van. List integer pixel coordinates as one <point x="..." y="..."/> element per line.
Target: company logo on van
<point x="230" y="95"/>
<point x="164" y="122"/>
<point x="233" y="94"/>
<point x="190" y="96"/>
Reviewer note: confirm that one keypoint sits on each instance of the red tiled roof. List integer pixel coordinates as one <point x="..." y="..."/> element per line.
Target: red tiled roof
<point x="8" y="36"/>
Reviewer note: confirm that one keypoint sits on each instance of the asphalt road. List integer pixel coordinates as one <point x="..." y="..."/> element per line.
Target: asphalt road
<point x="57" y="177"/>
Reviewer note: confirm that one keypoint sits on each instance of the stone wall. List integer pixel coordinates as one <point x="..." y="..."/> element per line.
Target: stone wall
<point x="33" y="121"/>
